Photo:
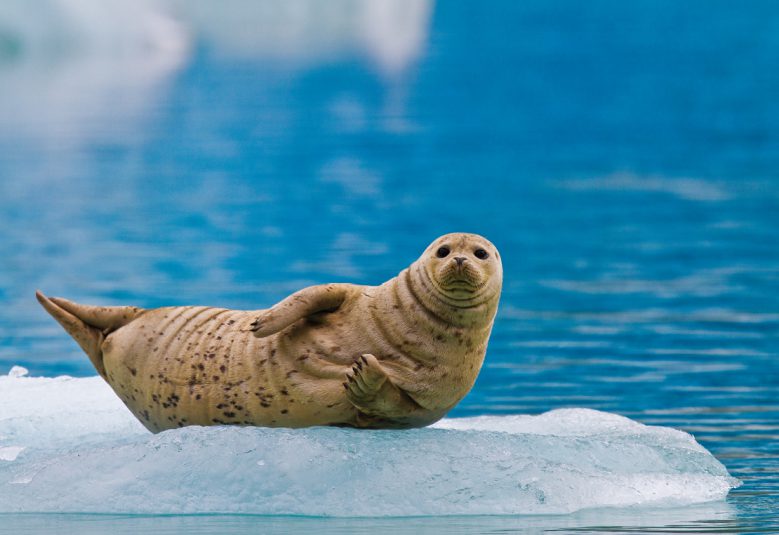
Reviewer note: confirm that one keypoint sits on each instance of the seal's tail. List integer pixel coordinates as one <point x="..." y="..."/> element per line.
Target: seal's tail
<point x="88" y="325"/>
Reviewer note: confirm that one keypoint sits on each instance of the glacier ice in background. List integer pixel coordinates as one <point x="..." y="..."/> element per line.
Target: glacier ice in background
<point x="70" y="445"/>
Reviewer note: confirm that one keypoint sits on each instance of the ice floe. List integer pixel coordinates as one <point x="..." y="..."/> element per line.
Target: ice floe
<point x="69" y="445"/>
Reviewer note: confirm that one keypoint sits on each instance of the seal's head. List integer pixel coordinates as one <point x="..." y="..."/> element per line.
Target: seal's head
<point x="463" y="269"/>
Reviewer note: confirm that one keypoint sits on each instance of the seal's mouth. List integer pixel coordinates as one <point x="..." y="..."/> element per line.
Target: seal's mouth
<point x="460" y="277"/>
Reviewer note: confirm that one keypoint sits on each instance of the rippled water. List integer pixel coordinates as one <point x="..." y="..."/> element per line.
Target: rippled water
<point x="622" y="156"/>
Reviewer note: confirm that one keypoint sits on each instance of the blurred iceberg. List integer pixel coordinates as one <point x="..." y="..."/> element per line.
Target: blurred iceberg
<point x="80" y="73"/>
<point x="69" y="445"/>
<point x="389" y="33"/>
<point x="70" y="68"/>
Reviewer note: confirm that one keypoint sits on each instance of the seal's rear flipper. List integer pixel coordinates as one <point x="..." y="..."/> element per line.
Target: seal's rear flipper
<point x="108" y="319"/>
<point x="88" y="337"/>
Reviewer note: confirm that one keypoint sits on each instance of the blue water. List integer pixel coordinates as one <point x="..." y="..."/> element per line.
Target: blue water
<point x="622" y="156"/>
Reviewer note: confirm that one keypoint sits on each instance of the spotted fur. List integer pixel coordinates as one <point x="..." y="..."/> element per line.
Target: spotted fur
<point x="401" y="354"/>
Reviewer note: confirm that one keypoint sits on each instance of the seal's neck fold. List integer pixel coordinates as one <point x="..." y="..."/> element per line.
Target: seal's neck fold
<point x="475" y="311"/>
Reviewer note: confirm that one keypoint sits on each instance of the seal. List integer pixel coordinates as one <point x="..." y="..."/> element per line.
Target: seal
<point x="398" y="355"/>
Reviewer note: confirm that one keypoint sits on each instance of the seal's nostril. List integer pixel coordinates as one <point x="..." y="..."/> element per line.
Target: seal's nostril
<point x="459" y="260"/>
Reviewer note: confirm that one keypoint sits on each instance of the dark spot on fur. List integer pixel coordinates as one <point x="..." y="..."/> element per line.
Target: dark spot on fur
<point x="216" y="377"/>
<point x="198" y="396"/>
<point x="229" y="414"/>
<point x="222" y="368"/>
<point x="133" y="371"/>
<point x="284" y="411"/>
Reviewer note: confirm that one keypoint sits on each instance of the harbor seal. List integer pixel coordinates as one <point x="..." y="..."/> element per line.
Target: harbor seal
<point x="398" y="355"/>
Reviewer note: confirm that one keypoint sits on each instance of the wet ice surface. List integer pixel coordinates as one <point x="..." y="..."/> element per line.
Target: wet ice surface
<point x="69" y="445"/>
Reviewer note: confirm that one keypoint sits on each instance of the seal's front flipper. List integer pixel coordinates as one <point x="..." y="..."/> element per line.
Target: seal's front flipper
<point x="364" y="384"/>
<point x="380" y="402"/>
<point x="308" y="301"/>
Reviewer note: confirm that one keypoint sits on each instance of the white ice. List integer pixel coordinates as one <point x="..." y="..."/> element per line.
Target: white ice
<point x="70" y="445"/>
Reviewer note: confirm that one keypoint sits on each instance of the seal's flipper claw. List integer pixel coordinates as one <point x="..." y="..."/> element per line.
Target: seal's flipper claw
<point x="262" y="328"/>
<point x="365" y="380"/>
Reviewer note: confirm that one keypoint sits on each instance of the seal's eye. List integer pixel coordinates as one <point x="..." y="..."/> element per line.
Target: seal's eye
<point x="442" y="252"/>
<point x="481" y="254"/>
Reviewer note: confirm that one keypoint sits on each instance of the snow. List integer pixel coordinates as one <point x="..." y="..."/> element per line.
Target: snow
<point x="69" y="445"/>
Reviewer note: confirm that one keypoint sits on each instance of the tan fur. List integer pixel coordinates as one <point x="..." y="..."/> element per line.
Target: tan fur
<point x="397" y="355"/>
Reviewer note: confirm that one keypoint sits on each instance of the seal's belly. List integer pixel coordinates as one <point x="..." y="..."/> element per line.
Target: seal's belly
<point x="183" y="366"/>
<point x="201" y="366"/>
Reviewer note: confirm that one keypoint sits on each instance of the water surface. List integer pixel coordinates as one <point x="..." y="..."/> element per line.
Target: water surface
<point x="622" y="156"/>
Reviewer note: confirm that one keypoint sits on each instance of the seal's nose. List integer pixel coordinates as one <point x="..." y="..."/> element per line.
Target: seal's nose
<point x="459" y="260"/>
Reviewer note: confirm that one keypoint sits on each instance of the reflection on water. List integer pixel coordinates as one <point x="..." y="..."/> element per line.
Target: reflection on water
<point x="72" y="72"/>
<point x="695" y="519"/>
<point x="307" y="33"/>
<point x="622" y="156"/>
